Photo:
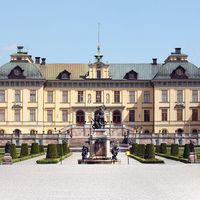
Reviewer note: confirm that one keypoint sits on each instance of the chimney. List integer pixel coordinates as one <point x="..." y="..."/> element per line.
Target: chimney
<point x="37" y="60"/>
<point x="154" y="61"/>
<point x="19" y="49"/>
<point x="177" y="50"/>
<point x="43" y="61"/>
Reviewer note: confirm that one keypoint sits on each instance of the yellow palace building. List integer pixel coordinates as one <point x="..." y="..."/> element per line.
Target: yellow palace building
<point x="39" y="98"/>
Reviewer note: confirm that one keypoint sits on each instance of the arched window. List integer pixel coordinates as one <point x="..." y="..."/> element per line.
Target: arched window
<point x="2" y="132"/>
<point x="117" y="117"/>
<point x="194" y="132"/>
<point x="164" y="131"/>
<point x="146" y="131"/>
<point x="180" y="131"/>
<point x="33" y="132"/>
<point x="80" y="117"/>
<point x="17" y="132"/>
<point x="49" y="131"/>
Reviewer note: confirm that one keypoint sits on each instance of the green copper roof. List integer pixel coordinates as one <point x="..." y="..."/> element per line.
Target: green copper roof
<point x="31" y="71"/>
<point x="192" y="71"/>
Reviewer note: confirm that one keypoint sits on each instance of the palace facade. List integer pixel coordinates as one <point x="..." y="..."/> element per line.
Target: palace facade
<point x="36" y="97"/>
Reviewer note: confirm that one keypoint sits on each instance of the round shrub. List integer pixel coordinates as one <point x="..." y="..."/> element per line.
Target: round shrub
<point x="149" y="151"/>
<point x="186" y="152"/>
<point x="13" y="151"/>
<point x="133" y="149"/>
<point x="24" y="150"/>
<point x="52" y="151"/>
<point x="59" y="150"/>
<point x="174" y="149"/>
<point x="41" y="148"/>
<point x="34" y="148"/>
<point x="141" y="150"/>
<point x="157" y="147"/>
<point x="163" y="148"/>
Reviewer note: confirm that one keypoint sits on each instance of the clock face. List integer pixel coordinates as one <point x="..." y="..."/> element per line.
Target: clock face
<point x="179" y="72"/>
<point x="16" y="72"/>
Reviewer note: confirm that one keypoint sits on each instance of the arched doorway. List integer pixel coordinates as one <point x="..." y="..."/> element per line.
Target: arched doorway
<point x="17" y="132"/>
<point x="194" y="132"/>
<point x="116" y="117"/>
<point x="80" y="117"/>
<point x="180" y="131"/>
<point x="164" y="131"/>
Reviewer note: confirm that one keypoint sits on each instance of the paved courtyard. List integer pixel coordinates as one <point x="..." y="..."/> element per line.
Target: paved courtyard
<point x="70" y="181"/>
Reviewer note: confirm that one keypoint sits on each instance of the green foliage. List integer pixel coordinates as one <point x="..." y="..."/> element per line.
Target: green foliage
<point x="66" y="149"/>
<point x="59" y="150"/>
<point x="146" y="161"/>
<point x="34" y="148"/>
<point x="141" y="150"/>
<point x="13" y="151"/>
<point x="24" y="150"/>
<point x="186" y="152"/>
<point x="163" y="148"/>
<point x="52" y="151"/>
<point x="133" y="149"/>
<point x="174" y="149"/>
<point x="149" y="151"/>
<point x="41" y="148"/>
<point x="157" y="147"/>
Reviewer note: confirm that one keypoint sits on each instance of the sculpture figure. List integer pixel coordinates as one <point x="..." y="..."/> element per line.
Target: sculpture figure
<point x="99" y="121"/>
<point x="114" y="152"/>
<point x="84" y="152"/>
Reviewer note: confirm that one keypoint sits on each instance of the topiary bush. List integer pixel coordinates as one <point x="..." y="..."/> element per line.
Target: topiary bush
<point x="133" y="149"/>
<point x="186" y="152"/>
<point x="65" y="147"/>
<point x="163" y="148"/>
<point x="24" y="150"/>
<point x="174" y="149"/>
<point x="52" y="151"/>
<point x="41" y="148"/>
<point x="59" y="150"/>
<point x="149" y="151"/>
<point x="13" y="151"/>
<point x="141" y="150"/>
<point x="157" y="147"/>
<point x="34" y="148"/>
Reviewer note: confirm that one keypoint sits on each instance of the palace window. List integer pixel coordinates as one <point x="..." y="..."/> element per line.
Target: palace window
<point x="50" y="96"/>
<point x="117" y="96"/>
<point x="32" y="95"/>
<point x="2" y="115"/>
<point x="65" y="96"/>
<point x="17" y="96"/>
<point x="2" y="96"/>
<point x="164" y="114"/>
<point x="98" y="96"/>
<point x="64" y="115"/>
<point x="80" y="117"/>
<point x="117" y="117"/>
<point x="179" y="114"/>
<point x="146" y="97"/>
<point x="194" y="95"/>
<point x="180" y="96"/>
<point x="98" y="74"/>
<point x="164" y="96"/>
<point x="131" y="115"/>
<point x="194" y="114"/>
<point x="49" y="115"/>
<point x="80" y="96"/>
<point x="146" y="115"/>
<point x="32" y="115"/>
<point x="17" y="115"/>
<point x="131" y="96"/>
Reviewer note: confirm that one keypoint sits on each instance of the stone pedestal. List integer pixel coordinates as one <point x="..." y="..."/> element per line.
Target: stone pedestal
<point x="7" y="159"/>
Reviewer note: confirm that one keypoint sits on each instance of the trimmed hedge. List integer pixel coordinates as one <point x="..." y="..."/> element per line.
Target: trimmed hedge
<point x="41" y="148"/>
<point x="184" y="160"/>
<point x="157" y="148"/>
<point x="52" y="151"/>
<point x="163" y="148"/>
<point x="186" y="152"/>
<point x="34" y="148"/>
<point x="24" y="150"/>
<point x="133" y="149"/>
<point x="26" y="157"/>
<point x="149" y="151"/>
<point x="174" y="149"/>
<point x="59" y="150"/>
<point x="141" y="150"/>
<point x="13" y="151"/>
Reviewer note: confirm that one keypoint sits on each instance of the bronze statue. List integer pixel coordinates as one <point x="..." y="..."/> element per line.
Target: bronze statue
<point x="99" y="122"/>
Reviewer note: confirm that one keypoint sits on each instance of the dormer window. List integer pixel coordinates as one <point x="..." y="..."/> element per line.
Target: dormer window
<point x="131" y="75"/>
<point x="16" y="73"/>
<point x="64" y="75"/>
<point x="179" y="73"/>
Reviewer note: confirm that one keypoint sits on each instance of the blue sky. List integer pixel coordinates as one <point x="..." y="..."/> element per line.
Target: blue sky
<point x="65" y="31"/>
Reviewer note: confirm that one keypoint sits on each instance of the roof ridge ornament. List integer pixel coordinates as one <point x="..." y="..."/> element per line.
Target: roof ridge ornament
<point x="98" y="56"/>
